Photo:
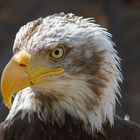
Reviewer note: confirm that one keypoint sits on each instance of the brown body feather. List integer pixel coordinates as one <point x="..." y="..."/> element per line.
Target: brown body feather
<point x="21" y="129"/>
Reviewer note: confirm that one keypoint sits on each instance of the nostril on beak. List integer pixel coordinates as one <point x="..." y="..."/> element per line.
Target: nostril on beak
<point x="22" y="65"/>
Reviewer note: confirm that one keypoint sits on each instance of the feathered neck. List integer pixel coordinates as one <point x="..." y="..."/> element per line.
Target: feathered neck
<point x="50" y="110"/>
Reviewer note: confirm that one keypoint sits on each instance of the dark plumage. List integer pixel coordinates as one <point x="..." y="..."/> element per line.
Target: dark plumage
<point x="65" y="73"/>
<point x="71" y="130"/>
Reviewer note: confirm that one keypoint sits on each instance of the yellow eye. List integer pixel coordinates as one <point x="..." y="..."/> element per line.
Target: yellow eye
<point x="57" y="53"/>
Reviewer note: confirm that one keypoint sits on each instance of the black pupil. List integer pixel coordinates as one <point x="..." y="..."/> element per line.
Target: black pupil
<point x="56" y="52"/>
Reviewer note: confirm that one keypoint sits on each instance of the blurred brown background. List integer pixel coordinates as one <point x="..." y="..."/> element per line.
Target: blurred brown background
<point x="121" y="17"/>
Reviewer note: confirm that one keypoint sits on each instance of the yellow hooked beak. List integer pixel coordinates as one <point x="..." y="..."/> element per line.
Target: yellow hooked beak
<point x="19" y="74"/>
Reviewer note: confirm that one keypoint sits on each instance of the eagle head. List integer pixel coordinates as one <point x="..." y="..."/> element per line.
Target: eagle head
<point x="63" y="64"/>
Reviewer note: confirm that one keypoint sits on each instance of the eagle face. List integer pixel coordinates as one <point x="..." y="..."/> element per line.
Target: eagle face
<point x="63" y="64"/>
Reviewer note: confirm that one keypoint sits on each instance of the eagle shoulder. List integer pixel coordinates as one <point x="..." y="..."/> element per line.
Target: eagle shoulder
<point x="22" y="129"/>
<point x="1" y="131"/>
<point x="122" y="130"/>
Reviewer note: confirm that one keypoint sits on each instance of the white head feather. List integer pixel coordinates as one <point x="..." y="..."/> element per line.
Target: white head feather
<point x="88" y="88"/>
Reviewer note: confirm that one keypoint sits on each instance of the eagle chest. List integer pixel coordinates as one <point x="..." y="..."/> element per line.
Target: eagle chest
<point x="22" y="129"/>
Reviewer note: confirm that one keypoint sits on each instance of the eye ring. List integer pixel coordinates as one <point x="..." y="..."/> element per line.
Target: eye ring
<point x="57" y="53"/>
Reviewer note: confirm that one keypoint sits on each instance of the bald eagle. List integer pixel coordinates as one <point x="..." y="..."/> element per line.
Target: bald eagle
<point x="64" y="75"/>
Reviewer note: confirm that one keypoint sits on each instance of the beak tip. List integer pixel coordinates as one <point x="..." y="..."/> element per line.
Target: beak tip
<point x="7" y="102"/>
